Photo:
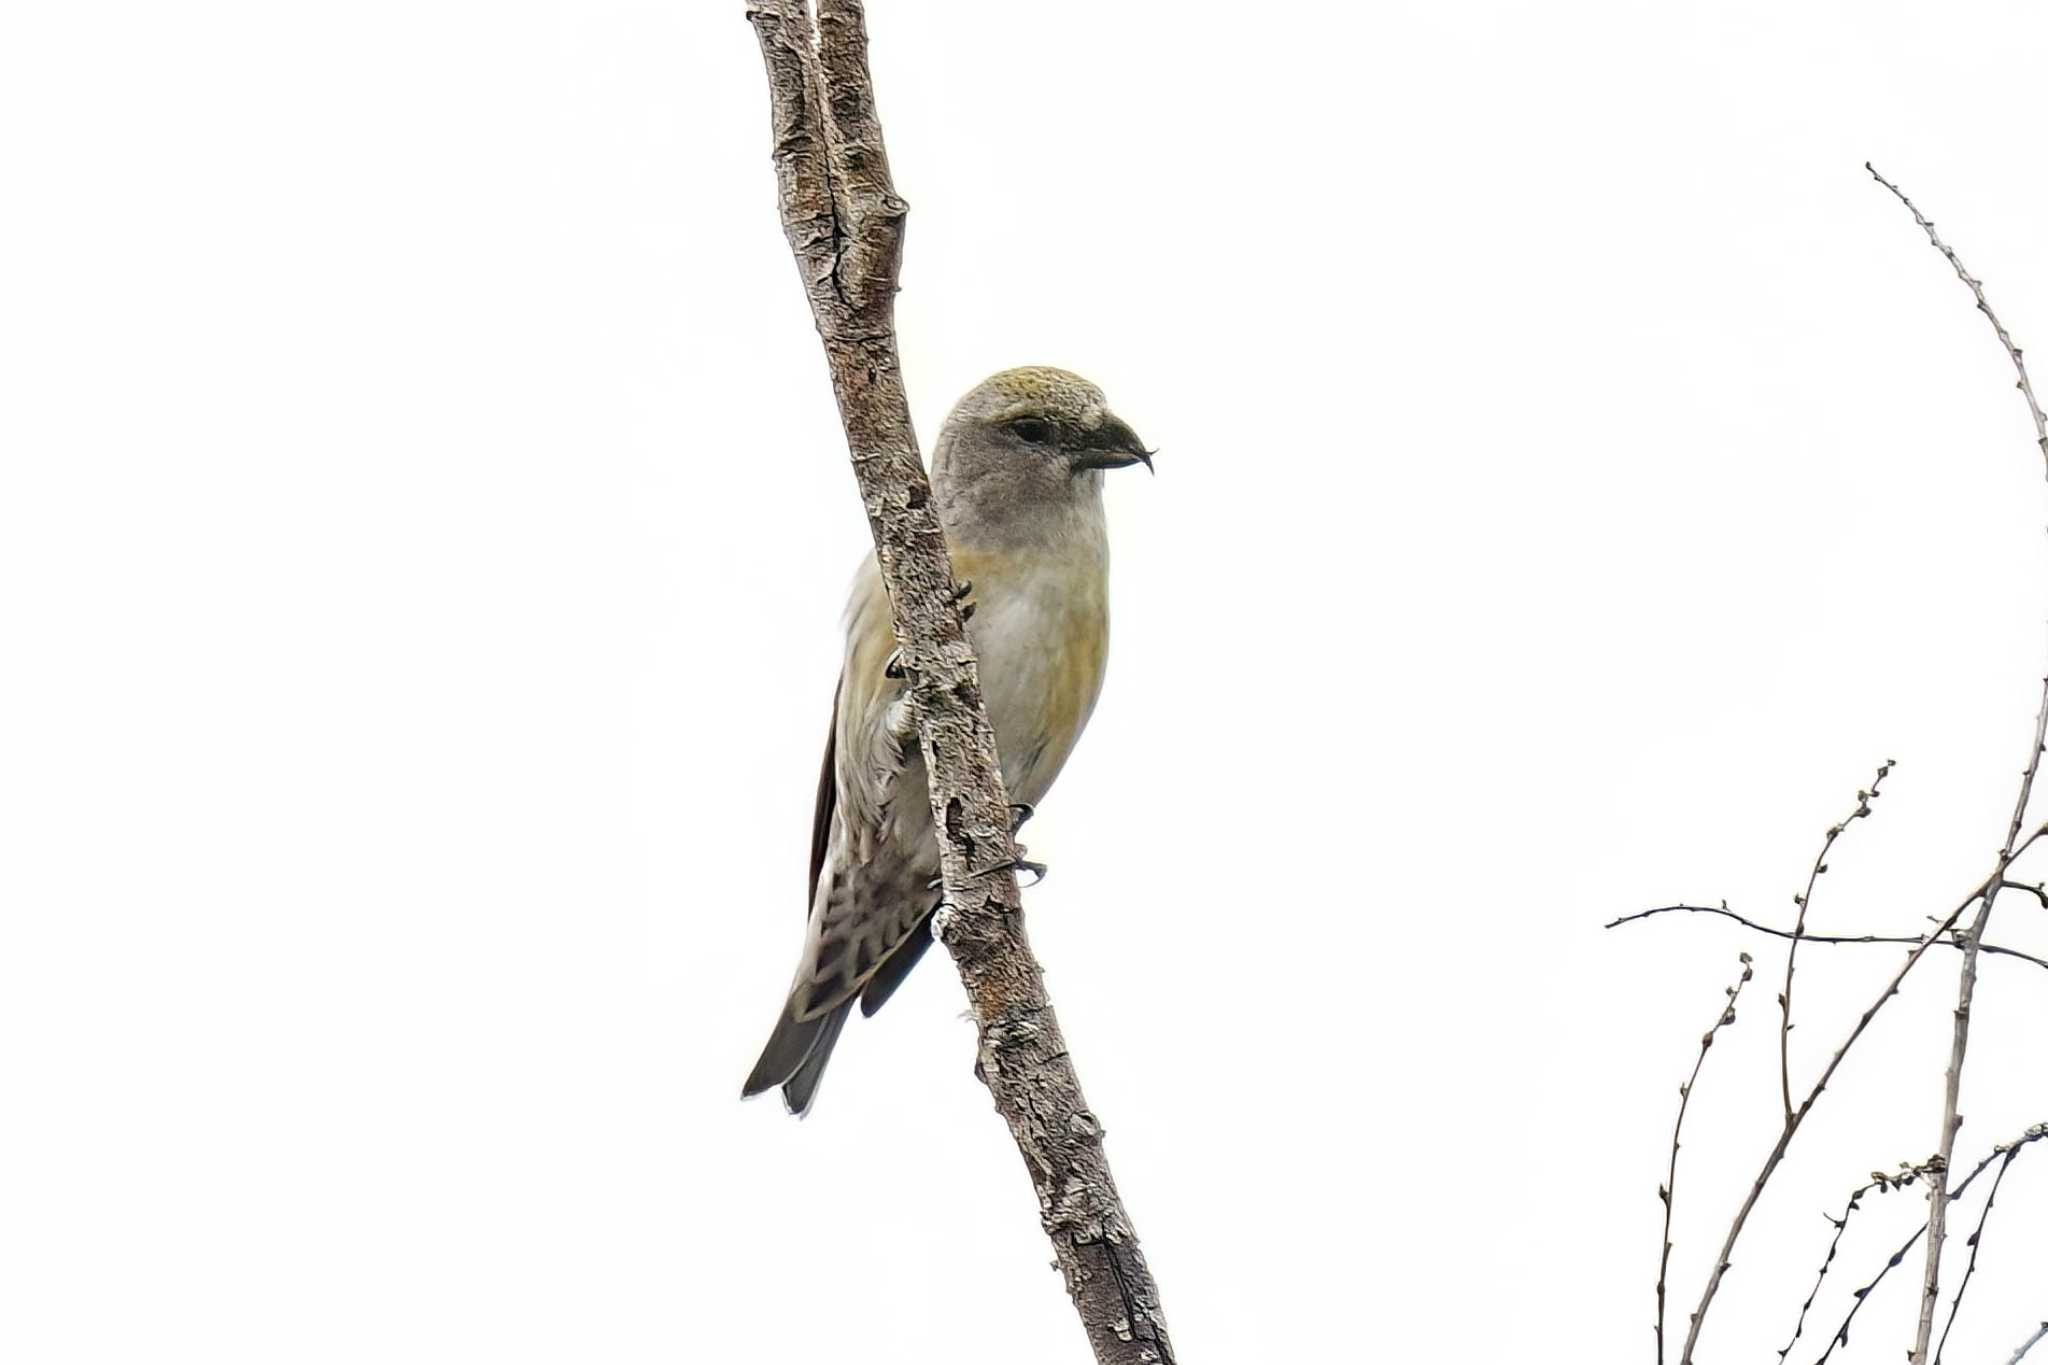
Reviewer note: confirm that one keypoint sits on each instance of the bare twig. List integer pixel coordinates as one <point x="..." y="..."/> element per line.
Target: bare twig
<point x="1878" y="1181"/>
<point x="1966" y="988"/>
<point x="1969" y="940"/>
<point x="1668" y="1191"/>
<point x="844" y="222"/>
<point x="1798" y="1116"/>
<point x="2025" y="844"/>
<point x="2025" y="385"/>
<point x="1724" y="912"/>
<point x="2037" y="892"/>
<point x="1803" y="901"/>
<point x="2029" y="1344"/>
<point x="1925" y="1169"/>
<point x="1862" y="1296"/>
<point x="1976" y="1244"/>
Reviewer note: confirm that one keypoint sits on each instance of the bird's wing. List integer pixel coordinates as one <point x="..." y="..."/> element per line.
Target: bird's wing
<point x="872" y="851"/>
<point x="828" y="801"/>
<point x="868" y="760"/>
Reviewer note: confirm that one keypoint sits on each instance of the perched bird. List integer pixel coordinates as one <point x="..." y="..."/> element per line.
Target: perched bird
<point x="1017" y="482"/>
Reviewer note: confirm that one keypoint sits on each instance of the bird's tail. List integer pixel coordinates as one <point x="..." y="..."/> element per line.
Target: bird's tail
<point x="795" y="1057"/>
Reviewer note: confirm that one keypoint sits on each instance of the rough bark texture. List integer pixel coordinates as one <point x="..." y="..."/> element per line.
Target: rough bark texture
<point x="845" y="222"/>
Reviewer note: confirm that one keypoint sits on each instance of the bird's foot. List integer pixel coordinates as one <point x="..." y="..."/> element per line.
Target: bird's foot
<point x="960" y="595"/>
<point x="1018" y="864"/>
<point x="1020" y="811"/>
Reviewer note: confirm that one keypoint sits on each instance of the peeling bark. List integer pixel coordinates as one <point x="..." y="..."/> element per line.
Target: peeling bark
<point x="844" y="222"/>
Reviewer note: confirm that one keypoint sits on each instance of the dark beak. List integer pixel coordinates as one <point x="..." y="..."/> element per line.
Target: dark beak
<point x="1113" y="445"/>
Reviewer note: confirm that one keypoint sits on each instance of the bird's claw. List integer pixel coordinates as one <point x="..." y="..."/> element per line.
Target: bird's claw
<point x="960" y="591"/>
<point x="1018" y="864"/>
<point x="893" y="668"/>
<point x="1021" y="864"/>
<point x="1020" y="811"/>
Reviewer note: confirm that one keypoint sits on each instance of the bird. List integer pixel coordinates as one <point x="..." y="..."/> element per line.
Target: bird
<point x="1017" y="475"/>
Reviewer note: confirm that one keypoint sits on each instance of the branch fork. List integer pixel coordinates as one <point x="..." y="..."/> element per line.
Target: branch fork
<point x="1954" y="930"/>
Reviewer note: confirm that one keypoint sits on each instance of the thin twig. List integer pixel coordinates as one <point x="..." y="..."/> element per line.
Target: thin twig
<point x="1668" y="1191"/>
<point x="1966" y="987"/>
<point x="1803" y="900"/>
<point x="1878" y="1181"/>
<point x="1723" y="911"/>
<point x="2019" y="363"/>
<point x="2029" y="1344"/>
<point x="1791" y="1127"/>
<point x="1976" y="1244"/>
<point x="1862" y="1296"/>
<point x="2027" y="843"/>
<point x="1935" y="935"/>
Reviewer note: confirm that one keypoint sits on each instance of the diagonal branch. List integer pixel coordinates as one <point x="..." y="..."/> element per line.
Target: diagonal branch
<point x="1976" y="1244"/>
<point x="1804" y="901"/>
<point x="1805" y="1107"/>
<point x="844" y="222"/>
<point x="1908" y="1176"/>
<point x="2018" y="357"/>
<point x="1878" y="1181"/>
<point x="2029" y="1344"/>
<point x="1973" y="936"/>
<point x="1668" y="1191"/>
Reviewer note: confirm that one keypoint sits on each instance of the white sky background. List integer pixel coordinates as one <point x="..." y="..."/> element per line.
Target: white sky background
<point x="423" y="528"/>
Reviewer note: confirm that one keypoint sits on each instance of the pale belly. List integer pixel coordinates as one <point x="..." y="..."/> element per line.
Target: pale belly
<point x="1042" y="639"/>
<point x="1041" y="642"/>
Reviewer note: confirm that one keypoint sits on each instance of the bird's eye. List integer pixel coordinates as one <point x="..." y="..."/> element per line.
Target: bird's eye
<point x="1036" y="430"/>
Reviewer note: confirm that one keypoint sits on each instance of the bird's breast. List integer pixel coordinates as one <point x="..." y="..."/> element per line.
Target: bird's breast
<point x="1041" y="633"/>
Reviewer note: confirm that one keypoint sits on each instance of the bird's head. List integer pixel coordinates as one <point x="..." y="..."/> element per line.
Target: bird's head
<point x="1030" y="438"/>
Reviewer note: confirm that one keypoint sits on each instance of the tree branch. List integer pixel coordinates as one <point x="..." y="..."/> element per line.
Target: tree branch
<point x="1966" y="987"/>
<point x="844" y="223"/>
<point x="1878" y="1181"/>
<point x="2040" y="894"/>
<point x="1803" y="900"/>
<point x="1862" y="1296"/>
<point x="1976" y="1244"/>
<point x="1798" y="1116"/>
<point x="1909" y="1175"/>
<point x="2029" y="1344"/>
<point x="2019" y="363"/>
<point x="1668" y="1191"/>
<point x="1997" y="950"/>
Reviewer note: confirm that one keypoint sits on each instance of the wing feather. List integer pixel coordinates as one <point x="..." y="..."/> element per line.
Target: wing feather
<point x="827" y="805"/>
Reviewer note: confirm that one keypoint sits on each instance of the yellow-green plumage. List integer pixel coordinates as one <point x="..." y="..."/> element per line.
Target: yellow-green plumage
<point x="1017" y="481"/>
